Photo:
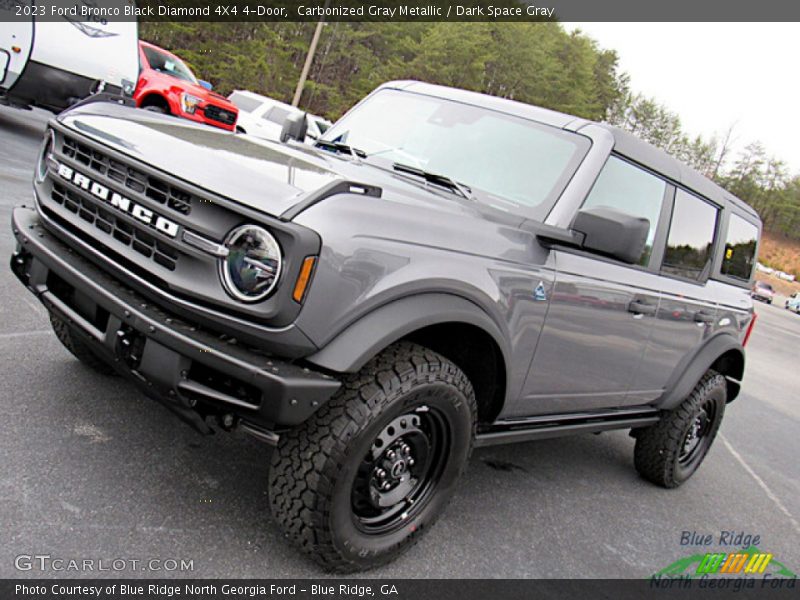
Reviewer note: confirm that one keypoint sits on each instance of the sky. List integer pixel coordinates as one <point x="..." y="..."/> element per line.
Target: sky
<point x="714" y="75"/>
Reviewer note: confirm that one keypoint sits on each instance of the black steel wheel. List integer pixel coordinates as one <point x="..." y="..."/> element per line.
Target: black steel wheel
<point x="367" y="475"/>
<point x="670" y="452"/>
<point x="400" y="471"/>
<point x="698" y="435"/>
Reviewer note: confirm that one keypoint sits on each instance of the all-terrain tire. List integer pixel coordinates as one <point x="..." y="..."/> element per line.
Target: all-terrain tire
<point x="661" y="454"/>
<point x="316" y="469"/>
<point x="78" y="347"/>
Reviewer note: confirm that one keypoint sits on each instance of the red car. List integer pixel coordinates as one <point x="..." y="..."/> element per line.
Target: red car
<point x="168" y="86"/>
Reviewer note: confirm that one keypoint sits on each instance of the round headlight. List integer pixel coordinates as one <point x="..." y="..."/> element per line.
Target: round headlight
<point x="253" y="263"/>
<point x="47" y="148"/>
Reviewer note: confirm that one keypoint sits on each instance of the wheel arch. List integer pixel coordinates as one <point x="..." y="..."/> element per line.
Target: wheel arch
<point x="450" y="325"/>
<point x="723" y="353"/>
<point x="155" y="99"/>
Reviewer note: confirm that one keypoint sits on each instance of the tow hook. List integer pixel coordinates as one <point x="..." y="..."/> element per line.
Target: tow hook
<point x="129" y="347"/>
<point x="227" y="421"/>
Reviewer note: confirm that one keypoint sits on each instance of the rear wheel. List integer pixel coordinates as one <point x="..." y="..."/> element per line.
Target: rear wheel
<point x="78" y="347"/>
<point x="669" y="452"/>
<point x="364" y="478"/>
<point x="157" y="109"/>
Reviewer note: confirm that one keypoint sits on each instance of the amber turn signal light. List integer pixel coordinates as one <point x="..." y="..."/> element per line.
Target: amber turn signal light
<point x="16" y="49"/>
<point x="304" y="278"/>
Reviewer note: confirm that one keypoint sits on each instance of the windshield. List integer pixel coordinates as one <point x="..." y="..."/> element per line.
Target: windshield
<point x="169" y="64"/>
<point x="514" y="159"/>
<point x="764" y="286"/>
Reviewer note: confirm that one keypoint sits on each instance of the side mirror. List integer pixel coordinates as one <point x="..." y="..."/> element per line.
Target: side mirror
<point x="205" y="84"/>
<point x="612" y="232"/>
<point x="294" y="128"/>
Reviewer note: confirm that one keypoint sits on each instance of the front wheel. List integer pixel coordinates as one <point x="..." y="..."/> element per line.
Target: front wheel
<point x="364" y="478"/>
<point x="669" y="452"/>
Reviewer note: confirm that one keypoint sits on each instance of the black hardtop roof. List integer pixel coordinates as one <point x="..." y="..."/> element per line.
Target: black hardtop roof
<point x="626" y="144"/>
<point x="644" y="153"/>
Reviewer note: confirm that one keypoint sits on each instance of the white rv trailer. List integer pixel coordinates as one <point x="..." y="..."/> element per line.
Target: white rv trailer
<point x="54" y="61"/>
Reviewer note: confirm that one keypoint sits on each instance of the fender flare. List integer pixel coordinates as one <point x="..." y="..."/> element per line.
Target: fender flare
<point x="686" y="376"/>
<point x="353" y="347"/>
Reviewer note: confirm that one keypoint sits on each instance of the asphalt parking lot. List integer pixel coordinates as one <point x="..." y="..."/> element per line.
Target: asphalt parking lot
<point x="91" y="469"/>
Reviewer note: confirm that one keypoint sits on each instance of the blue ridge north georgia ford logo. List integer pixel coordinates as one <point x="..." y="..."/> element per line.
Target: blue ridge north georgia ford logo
<point x="118" y="201"/>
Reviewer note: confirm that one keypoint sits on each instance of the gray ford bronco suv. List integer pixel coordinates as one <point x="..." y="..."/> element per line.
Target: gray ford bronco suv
<point x="442" y="270"/>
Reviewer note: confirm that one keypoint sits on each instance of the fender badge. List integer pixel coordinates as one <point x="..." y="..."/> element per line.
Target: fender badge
<point x="539" y="294"/>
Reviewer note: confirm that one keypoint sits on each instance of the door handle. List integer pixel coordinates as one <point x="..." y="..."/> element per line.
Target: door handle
<point x="641" y="307"/>
<point x="702" y="316"/>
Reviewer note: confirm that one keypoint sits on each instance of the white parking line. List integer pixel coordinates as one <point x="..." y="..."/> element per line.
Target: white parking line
<point x="21" y="334"/>
<point x="770" y="494"/>
<point x="35" y="306"/>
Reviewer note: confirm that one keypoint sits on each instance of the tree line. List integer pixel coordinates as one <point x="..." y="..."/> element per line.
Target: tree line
<point x="535" y="63"/>
<point x="761" y="180"/>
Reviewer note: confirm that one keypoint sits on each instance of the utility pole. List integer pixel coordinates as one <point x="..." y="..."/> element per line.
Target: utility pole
<point x="309" y="59"/>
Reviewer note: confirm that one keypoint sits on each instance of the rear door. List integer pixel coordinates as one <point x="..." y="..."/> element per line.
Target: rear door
<point x="16" y="42"/>
<point x="687" y="311"/>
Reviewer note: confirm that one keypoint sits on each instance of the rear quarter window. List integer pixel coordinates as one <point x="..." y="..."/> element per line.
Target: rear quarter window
<point x="740" y="248"/>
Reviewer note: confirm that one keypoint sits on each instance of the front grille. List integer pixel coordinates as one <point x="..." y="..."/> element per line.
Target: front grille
<point x="107" y="222"/>
<point x="215" y="113"/>
<point x="133" y="179"/>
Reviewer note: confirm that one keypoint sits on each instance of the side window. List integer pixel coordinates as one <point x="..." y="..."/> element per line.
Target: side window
<point x="632" y="190"/>
<point x="740" y="248"/>
<point x="276" y="114"/>
<point x="243" y="102"/>
<point x="691" y="237"/>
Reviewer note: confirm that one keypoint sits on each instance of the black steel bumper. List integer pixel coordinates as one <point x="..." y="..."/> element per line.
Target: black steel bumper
<point x="192" y="370"/>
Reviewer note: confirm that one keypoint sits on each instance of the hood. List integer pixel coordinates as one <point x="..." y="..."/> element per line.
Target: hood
<point x="262" y="175"/>
<point x="267" y="176"/>
<point x="210" y="96"/>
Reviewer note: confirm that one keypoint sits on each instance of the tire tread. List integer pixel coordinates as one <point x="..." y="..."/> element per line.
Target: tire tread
<point x="300" y="483"/>
<point x="656" y="445"/>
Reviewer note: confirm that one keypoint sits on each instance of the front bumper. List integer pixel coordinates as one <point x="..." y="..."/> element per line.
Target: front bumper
<point x="188" y="368"/>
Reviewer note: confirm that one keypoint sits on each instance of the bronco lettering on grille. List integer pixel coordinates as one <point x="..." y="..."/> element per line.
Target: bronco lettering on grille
<point x="126" y="205"/>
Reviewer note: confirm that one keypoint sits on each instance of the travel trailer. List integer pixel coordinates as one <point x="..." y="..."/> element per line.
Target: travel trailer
<point x="53" y="62"/>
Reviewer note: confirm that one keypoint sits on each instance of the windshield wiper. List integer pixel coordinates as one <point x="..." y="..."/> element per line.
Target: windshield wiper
<point x="436" y="179"/>
<point x="339" y="147"/>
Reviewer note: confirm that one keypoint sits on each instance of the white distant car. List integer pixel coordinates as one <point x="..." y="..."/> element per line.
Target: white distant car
<point x="764" y="268"/>
<point x="785" y="276"/>
<point x="263" y="117"/>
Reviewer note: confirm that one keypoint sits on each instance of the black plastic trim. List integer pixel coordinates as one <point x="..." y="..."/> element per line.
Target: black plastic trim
<point x="332" y="189"/>
<point x="550" y="426"/>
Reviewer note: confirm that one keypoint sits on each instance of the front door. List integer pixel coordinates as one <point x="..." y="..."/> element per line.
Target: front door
<point x="601" y="311"/>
